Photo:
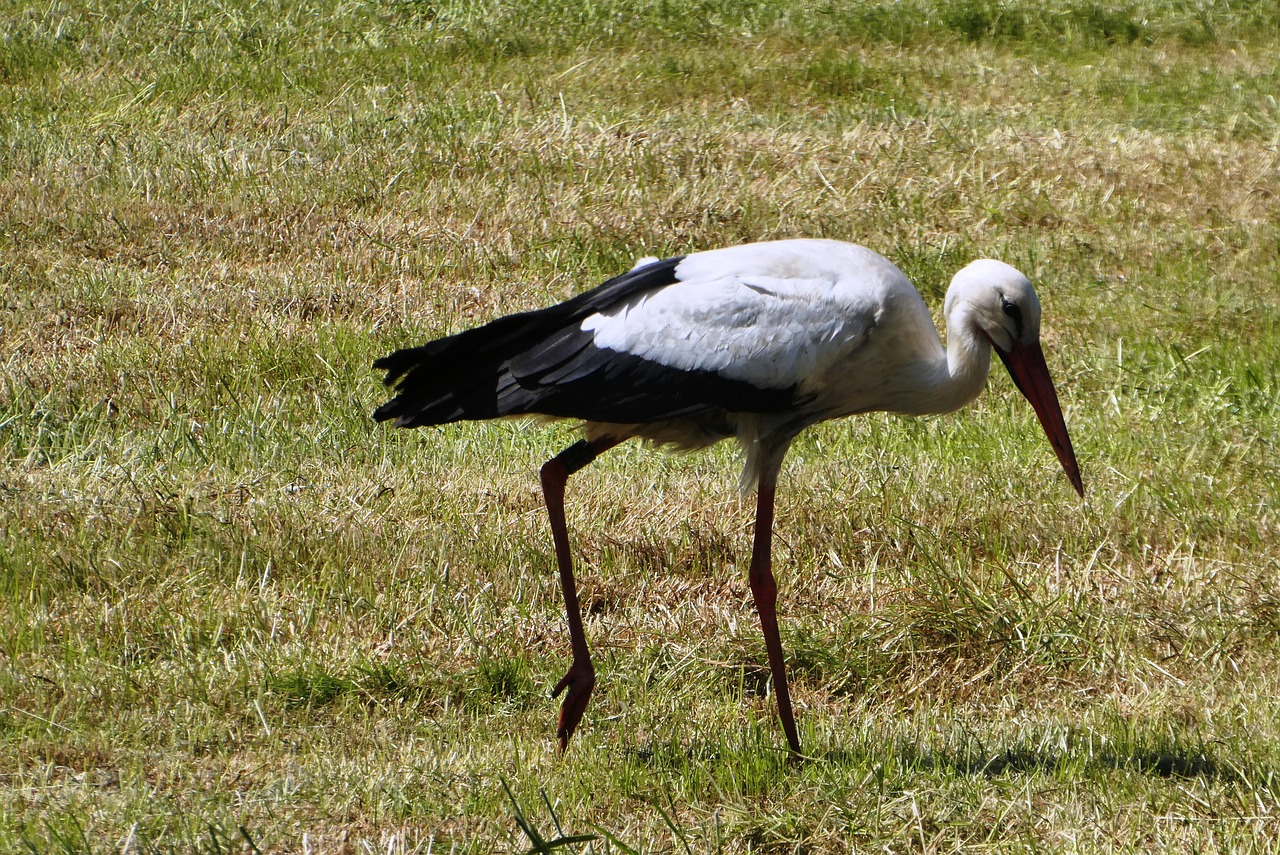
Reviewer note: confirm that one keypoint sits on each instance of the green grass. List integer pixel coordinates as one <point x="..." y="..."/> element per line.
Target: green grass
<point x="238" y="615"/>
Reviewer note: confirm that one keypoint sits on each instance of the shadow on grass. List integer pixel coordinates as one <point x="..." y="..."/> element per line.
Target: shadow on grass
<point x="1014" y="761"/>
<point x="1167" y="763"/>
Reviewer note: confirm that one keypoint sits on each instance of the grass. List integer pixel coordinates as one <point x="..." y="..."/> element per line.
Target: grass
<point x="239" y="616"/>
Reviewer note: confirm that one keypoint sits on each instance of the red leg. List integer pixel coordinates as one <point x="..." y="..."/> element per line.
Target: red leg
<point x="765" y="592"/>
<point x="581" y="676"/>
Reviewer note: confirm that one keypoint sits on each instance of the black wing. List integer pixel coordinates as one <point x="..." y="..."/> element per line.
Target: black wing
<point x="544" y="362"/>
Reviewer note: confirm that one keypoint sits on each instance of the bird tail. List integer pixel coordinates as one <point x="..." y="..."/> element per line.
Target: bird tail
<point x="468" y="376"/>
<point x="462" y="377"/>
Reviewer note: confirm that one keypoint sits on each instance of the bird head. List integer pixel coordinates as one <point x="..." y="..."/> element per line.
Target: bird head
<point x="1000" y="302"/>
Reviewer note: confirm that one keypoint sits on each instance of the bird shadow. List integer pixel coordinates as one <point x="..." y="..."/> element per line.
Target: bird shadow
<point x="961" y="762"/>
<point x="1017" y="761"/>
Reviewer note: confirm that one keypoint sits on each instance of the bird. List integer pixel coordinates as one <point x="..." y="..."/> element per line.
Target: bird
<point x="753" y="342"/>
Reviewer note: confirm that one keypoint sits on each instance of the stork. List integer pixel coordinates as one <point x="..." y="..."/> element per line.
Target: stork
<point x="755" y="342"/>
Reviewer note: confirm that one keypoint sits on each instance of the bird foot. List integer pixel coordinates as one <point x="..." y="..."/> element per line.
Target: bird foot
<point x="579" y="680"/>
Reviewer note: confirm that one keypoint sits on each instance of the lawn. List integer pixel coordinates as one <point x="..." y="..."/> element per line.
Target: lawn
<point x="236" y="615"/>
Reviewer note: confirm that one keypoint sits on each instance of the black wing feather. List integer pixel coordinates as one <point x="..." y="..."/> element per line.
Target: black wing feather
<point x="514" y="333"/>
<point x="544" y="362"/>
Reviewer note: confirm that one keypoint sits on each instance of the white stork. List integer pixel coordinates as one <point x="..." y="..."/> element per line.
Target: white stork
<point x="755" y="342"/>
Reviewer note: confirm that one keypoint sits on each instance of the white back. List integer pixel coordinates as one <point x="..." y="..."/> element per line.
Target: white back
<point x="775" y="314"/>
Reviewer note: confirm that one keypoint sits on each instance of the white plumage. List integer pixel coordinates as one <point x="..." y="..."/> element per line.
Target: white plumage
<point x="761" y="317"/>
<point x="756" y="342"/>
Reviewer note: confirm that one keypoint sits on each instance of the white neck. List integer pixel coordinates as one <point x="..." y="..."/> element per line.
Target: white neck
<point x="968" y="361"/>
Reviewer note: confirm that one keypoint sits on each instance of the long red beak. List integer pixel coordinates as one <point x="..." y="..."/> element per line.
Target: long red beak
<point x="1031" y="375"/>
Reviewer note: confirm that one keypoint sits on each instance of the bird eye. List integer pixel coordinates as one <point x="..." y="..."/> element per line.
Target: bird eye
<point x="1012" y="311"/>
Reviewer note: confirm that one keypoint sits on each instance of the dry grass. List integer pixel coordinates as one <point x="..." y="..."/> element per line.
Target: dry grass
<point x="242" y="617"/>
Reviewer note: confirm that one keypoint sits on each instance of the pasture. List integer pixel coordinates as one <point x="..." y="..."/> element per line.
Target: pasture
<point x="238" y="616"/>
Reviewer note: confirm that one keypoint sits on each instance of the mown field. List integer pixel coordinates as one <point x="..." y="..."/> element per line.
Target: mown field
<point x="238" y="616"/>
